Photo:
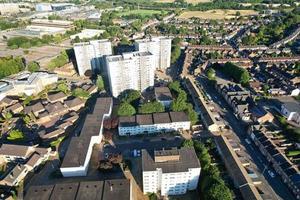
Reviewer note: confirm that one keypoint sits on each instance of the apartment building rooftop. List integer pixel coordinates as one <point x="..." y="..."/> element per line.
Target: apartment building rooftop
<point x="155" y="118"/>
<point x="78" y="148"/>
<point x="163" y="94"/>
<point x="127" y="56"/>
<point x="15" y="150"/>
<point x="170" y="161"/>
<point x="101" y="190"/>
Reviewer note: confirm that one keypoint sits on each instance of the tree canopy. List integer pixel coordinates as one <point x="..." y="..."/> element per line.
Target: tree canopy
<point x="151" y="107"/>
<point x="10" y="65"/>
<point x="130" y="96"/>
<point x="212" y="186"/>
<point x="33" y="67"/>
<point x="59" y="61"/>
<point x="79" y="92"/>
<point x="180" y="103"/>
<point x="239" y="74"/>
<point x="100" y="83"/>
<point x="126" y="109"/>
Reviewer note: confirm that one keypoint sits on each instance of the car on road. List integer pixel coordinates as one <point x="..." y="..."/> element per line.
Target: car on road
<point x="247" y="141"/>
<point x="177" y="137"/>
<point x="164" y="139"/>
<point x="271" y="173"/>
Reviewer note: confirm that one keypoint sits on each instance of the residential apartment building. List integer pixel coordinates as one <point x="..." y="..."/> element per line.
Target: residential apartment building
<point x="89" y="55"/>
<point x="26" y="83"/>
<point x="153" y="123"/>
<point x="114" y="189"/>
<point x="160" y="47"/>
<point x="78" y="155"/>
<point x="237" y="97"/>
<point x="172" y="172"/>
<point x="134" y="70"/>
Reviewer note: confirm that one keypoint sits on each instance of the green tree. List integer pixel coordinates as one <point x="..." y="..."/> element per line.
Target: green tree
<point x="63" y="87"/>
<point x="152" y="196"/>
<point x="10" y="65"/>
<point x="179" y="104"/>
<point x="100" y="83"/>
<point x="151" y="107"/>
<point x="211" y="74"/>
<point x="33" y="67"/>
<point x="79" y="92"/>
<point x="188" y="143"/>
<point x="129" y="96"/>
<point x="175" y="54"/>
<point x="15" y="135"/>
<point x="125" y="109"/>
<point x="59" y="61"/>
<point x="218" y="191"/>
<point x="192" y="114"/>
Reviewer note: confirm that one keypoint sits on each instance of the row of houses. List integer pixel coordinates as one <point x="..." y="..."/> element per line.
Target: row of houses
<point x="23" y="159"/>
<point x="272" y="147"/>
<point x="153" y="123"/>
<point x="237" y="97"/>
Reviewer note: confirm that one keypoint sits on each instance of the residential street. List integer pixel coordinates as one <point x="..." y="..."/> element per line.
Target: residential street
<point x="278" y="188"/>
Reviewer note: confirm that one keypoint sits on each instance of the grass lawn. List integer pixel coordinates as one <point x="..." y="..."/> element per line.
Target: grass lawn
<point x="140" y="12"/>
<point x="188" y="1"/>
<point x="216" y="14"/>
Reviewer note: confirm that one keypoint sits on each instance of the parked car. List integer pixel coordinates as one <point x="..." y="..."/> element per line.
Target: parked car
<point x="271" y="173"/>
<point x="247" y="141"/>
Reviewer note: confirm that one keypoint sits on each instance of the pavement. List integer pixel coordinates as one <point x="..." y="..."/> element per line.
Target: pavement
<point x="275" y="186"/>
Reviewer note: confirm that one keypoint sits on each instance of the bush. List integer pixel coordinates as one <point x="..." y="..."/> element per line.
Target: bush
<point x="15" y="135"/>
<point x="59" y="61"/>
<point x="78" y="92"/>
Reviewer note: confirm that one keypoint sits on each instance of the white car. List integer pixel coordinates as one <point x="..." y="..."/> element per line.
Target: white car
<point x="271" y="173"/>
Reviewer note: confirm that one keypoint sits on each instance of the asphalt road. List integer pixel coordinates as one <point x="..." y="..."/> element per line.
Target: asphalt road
<point x="277" y="188"/>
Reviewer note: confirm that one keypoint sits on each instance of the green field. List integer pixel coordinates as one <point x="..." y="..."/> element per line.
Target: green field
<point x="142" y="13"/>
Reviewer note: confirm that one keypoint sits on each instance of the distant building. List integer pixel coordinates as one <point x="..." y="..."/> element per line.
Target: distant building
<point x="89" y="55"/>
<point x="160" y="47"/>
<point x="87" y="33"/>
<point x="9" y="8"/>
<point x="163" y="95"/>
<point x="44" y="7"/>
<point x="290" y="108"/>
<point x="134" y="70"/>
<point x="25" y="158"/>
<point x="172" y="172"/>
<point x="86" y="190"/>
<point x="153" y="123"/>
<point x="26" y="83"/>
